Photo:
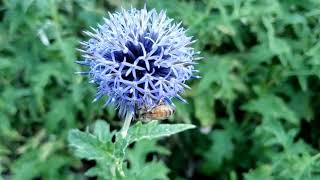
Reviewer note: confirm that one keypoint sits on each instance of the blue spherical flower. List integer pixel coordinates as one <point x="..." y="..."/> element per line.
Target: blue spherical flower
<point x="138" y="58"/>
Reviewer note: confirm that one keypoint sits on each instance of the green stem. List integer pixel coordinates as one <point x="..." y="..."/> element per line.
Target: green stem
<point x="126" y="124"/>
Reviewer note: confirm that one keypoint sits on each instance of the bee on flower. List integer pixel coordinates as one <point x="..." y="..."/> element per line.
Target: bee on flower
<point x="140" y="60"/>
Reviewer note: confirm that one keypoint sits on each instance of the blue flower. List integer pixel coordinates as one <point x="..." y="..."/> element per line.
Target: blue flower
<point x="138" y="58"/>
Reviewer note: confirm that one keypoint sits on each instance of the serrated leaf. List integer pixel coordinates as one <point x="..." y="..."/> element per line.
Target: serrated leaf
<point x="153" y="170"/>
<point x="110" y="155"/>
<point x="102" y="131"/>
<point x="262" y="173"/>
<point x="88" y="146"/>
<point x="220" y="72"/>
<point x="154" y="130"/>
<point x="100" y="170"/>
<point x="60" y="112"/>
<point x="271" y="107"/>
<point x="221" y="149"/>
<point x="137" y="155"/>
<point x="142" y="169"/>
<point x="275" y="128"/>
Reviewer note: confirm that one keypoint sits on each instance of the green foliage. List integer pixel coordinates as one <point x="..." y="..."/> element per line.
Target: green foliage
<point x="110" y="155"/>
<point x="257" y="105"/>
<point x="259" y="81"/>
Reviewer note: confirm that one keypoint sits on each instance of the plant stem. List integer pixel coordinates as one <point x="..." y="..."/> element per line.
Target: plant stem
<point x="126" y="124"/>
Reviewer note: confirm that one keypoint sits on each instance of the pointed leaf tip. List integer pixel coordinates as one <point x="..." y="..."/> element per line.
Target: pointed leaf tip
<point x="154" y="130"/>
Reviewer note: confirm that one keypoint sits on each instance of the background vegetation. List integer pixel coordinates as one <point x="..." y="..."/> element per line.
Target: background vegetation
<point x="256" y="107"/>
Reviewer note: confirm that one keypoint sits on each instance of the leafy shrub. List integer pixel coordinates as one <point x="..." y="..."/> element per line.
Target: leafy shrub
<point x="256" y="106"/>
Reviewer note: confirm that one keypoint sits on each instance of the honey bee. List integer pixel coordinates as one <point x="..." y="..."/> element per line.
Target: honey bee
<point x="159" y="112"/>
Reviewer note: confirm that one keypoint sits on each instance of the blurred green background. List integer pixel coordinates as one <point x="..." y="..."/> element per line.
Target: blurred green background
<point x="256" y="107"/>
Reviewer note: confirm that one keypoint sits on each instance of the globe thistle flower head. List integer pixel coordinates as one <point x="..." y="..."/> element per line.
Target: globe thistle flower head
<point x="138" y="58"/>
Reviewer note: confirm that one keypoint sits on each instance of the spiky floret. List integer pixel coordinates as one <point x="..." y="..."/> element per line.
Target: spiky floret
<point x="138" y="58"/>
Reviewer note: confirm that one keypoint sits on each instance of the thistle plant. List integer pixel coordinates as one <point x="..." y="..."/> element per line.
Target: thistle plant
<point x="138" y="59"/>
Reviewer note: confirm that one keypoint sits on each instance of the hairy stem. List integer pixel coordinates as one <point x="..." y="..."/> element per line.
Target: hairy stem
<point x="126" y="124"/>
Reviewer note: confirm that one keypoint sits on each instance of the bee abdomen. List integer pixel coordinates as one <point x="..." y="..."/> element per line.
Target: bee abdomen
<point x="159" y="112"/>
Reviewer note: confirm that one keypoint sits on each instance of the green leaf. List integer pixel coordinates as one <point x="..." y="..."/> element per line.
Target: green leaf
<point x="221" y="149"/>
<point x="140" y="167"/>
<point x="26" y="4"/>
<point x="204" y="108"/>
<point x="220" y="76"/>
<point x="26" y="166"/>
<point x="150" y="130"/>
<point x="88" y="146"/>
<point x="262" y="173"/>
<point x="279" y="135"/>
<point x="102" y="131"/>
<point x="271" y="107"/>
<point x="154" y="130"/>
<point x="110" y="155"/>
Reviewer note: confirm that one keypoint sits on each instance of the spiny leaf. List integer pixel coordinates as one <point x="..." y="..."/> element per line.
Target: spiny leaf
<point x="88" y="146"/>
<point x="142" y="169"/>
<point x="102" y="131"/>
<point x="154" y="130"/>
<point x="271" y="107"/>
<point x="110" y="155"/>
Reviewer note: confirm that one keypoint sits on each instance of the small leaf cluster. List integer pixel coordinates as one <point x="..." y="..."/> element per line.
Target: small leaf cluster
<point x="110" y="156"/>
